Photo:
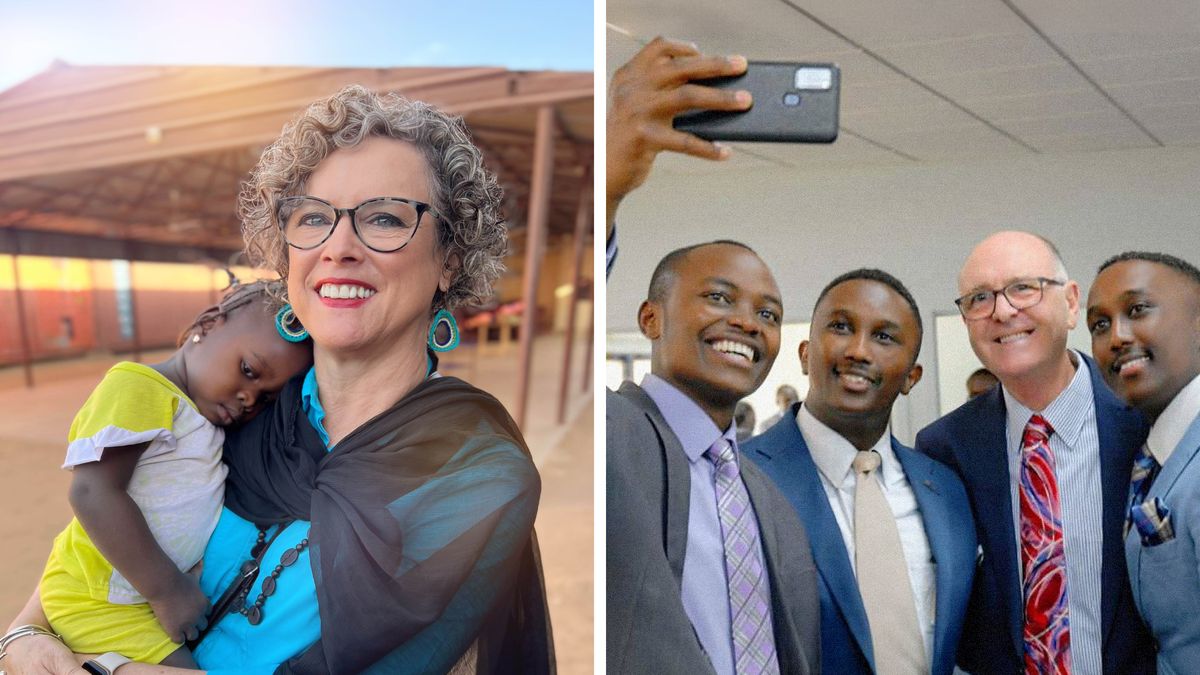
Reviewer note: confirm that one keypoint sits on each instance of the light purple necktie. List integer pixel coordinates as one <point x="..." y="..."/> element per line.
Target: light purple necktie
<point x="749" y="600"/>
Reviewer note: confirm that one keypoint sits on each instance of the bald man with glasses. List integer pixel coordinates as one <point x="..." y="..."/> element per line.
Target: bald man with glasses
<point x="1046" y="461"/>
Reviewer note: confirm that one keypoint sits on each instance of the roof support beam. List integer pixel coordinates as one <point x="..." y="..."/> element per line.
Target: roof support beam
<point x="583" y="214"/>
<point x="535" y="243"/>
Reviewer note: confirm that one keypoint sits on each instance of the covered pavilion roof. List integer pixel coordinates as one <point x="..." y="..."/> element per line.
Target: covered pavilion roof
<point x="145" y="162"/>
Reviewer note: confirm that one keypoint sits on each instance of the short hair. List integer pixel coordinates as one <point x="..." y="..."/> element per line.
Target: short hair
<point x="787" y="391"/>
<point x="1178" y="264"/>
<point x="982" y="372"/>
<point x="465" y="193"/>
<point x="664" y="272"/>
<point x="872" y="274"/>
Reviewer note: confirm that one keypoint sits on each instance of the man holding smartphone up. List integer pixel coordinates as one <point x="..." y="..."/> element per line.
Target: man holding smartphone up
<point x="708" y="567"/>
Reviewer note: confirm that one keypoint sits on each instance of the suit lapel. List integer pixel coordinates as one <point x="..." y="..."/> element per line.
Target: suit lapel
<point x="1182" y="455"/>
<point x="954" y="561"/>
<point x="781" y="599"/>
<point x="984" y="464"/>
<point x="784" y="455"/>
<point x="919" y="471"/>
<point x="678" y="480"/>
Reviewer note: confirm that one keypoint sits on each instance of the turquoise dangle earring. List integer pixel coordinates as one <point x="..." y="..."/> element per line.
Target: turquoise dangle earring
<point x="289" y="326"/>
<point x="443" y="318"/>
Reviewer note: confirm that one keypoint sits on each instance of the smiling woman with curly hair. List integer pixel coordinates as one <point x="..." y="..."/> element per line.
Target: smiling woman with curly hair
<point x="464" y="192"/>
<point x="390" y="509"/>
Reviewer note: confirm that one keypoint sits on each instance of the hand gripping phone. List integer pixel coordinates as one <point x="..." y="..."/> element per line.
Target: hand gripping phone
<point x="793" y="103"/>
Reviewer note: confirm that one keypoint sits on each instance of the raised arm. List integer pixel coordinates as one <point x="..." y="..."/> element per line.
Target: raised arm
<point x="116" y="526"/>
<point x="645" y="95"/>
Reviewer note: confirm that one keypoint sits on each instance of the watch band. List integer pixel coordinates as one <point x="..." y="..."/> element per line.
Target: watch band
<point x="105" y="664"/>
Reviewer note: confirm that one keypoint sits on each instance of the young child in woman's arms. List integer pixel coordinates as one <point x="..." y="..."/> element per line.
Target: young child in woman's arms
<point x="148" y="482"/>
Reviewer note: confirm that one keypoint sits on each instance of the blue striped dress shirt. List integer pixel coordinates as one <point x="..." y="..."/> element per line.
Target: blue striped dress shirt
<point x="1076" y="447"/>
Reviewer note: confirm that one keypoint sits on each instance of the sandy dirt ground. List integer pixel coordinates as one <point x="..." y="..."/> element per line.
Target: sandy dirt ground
<point x="33" y="428"/>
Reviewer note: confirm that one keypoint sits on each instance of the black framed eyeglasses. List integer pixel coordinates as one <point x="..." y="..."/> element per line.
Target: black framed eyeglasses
<point x="1021" y="294"/>
<point x="382" y="224"/>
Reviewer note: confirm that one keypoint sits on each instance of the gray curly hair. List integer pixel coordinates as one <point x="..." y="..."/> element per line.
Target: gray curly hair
<point x="465" y="193"/>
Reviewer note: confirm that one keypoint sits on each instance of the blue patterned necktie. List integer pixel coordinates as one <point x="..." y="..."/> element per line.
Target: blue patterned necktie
<point x="1145" y="470"/>
<point x="749" y="601"/>
<point x="1152" y="518"/>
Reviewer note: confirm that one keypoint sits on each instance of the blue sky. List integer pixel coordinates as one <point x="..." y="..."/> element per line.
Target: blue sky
<point x="517" y="34"/>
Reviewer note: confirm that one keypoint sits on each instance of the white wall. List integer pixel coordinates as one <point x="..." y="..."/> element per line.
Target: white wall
<point x="917" y="221"/>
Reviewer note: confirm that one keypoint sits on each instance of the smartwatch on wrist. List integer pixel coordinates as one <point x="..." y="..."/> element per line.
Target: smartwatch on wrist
<point x="105" y="664"/>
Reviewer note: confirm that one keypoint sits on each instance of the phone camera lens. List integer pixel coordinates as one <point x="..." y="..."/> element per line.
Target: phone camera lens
<point x="791" y="99"/>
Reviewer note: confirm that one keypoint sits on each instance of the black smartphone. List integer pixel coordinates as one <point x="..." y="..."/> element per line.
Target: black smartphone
<point x="793" y="103"/>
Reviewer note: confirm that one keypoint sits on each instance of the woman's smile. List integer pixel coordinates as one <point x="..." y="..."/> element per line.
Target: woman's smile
<point x="344" y="293"/>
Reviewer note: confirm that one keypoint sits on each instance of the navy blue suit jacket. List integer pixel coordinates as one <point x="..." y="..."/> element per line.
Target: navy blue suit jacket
<point x="972" y="440"/>
<point x="846" y="647"/>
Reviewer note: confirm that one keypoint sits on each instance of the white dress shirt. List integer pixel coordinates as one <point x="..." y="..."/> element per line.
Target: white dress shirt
<point x="1075" y="445"/>
<point x="834" y="457"/>
<point x="1174" y="421"/>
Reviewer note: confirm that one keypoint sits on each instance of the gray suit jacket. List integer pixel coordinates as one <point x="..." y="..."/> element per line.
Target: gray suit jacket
<point x="1166" y="576"/>
<point x="646" y="525"/>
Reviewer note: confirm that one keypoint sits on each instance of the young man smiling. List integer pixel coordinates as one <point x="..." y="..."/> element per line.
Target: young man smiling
<point x="891" y="529"/>
<point x="1045" y="458"/>
<point x="1143" y="312"/>
<point x="708" y="570"/>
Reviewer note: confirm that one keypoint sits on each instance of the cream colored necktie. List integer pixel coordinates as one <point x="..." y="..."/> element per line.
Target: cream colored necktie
<point x="883" y="576"/>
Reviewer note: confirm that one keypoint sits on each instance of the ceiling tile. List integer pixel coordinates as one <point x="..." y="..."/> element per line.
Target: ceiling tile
<point x="1000" y="82"/>
<point x="972" y="142"/>
<point x="970" y="54"/>
<point x="1098" y="122"/>
<point x="1098" y="28"/>
<point x="1072" y="142"/>
<point x="762" y="29"/>
<point x="1117" y="70"/>
<point x="1154" y="94"/>
<point x="1180" y="135"/>
<point x="881" y="121"/>
<point x="846" y="149"/>
<point x="977" y="53"/>
<point x="901" y="22"/>
<point x="1025" y="106"/>
<point x="1165" y="117"/>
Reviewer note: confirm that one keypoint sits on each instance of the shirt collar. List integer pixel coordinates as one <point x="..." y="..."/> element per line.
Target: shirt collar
<point x="312" y="405"/>
<point x="834" y="455"/>
<point x="1174" y="421"/>
<point x="691" y="425"/>
<point x="311" y="401"/>
<point x="1066" y="413"/>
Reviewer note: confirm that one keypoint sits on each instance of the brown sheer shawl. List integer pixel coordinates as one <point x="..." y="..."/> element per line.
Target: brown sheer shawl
<point x="421" y="535"/>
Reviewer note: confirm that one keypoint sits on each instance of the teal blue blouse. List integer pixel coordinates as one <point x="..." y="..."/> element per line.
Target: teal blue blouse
<point x="290" y="616"/>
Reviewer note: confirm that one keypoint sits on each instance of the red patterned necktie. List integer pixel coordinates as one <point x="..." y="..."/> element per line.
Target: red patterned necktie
<point x="1047" y="634"/>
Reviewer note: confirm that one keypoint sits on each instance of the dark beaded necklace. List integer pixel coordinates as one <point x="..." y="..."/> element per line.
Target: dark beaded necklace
<point x="253" y="613"/>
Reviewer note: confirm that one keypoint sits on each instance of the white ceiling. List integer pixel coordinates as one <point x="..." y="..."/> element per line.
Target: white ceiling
<point x="951" y="80"/>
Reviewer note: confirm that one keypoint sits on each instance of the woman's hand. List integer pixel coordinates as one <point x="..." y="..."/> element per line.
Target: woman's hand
<point x="181" y="608"/>
<point x="40" y="655"/>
